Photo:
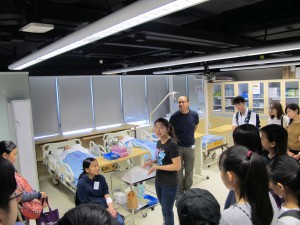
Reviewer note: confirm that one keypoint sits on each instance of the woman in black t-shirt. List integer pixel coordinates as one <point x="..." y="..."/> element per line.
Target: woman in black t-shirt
<point x="167" y="164"/>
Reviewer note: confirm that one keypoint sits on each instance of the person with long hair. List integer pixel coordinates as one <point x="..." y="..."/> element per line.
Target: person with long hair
<point x="87" y="214"/>
<point x="277" y="115"/>
<point x="92" y="188"/>
<point x="245" y="172"/>
<point x="167" y="164"/>
<point x="292" y="110"/>
<point x="9" y="197"/>
<point x="246" y="135"/>
<point x="284" y="174"/>
<point x="9" y="150"/>
<point x="274" y="139"/>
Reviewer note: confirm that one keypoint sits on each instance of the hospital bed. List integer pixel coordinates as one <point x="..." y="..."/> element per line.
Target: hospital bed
<point x="65" y="163"/>
<point x="210" y="143"/>
<point x="124" y="137"/>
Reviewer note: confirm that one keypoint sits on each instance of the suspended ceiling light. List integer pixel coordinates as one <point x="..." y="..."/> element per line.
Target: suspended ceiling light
<point x="128" y="17"/>
<point x="213" y="57"/>
<point x="259" y="67"/>
<point x="226" y="65"/>
<point x="37" y="28"/>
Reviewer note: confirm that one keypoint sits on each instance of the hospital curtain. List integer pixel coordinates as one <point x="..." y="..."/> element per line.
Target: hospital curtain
<point x="157" y="88"/>
<point x="75" y="103"/>
<point x="44" y="106"/>
<point x="107" y="101"/>
<point x="134" y="99"/>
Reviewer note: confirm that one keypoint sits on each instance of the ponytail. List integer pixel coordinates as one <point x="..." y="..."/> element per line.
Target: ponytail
<point x="85" y="165"/>
<point x="253" y="181"/>
<point x="286" y="170"/>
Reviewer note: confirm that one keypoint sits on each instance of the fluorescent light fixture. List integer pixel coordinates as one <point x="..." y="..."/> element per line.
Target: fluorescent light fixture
<point x="46" y="136"/>
<point x="179" y="70"/>
<point x="128" y="17"/>
<point x="226" y="65"/>
<point x="37" y="28"/>
<point x="108" y="126"/>
<point x="259" y="67"/>
<point x="77" y="131"/>
<point x="213" y="57"/>
<point x="138" y="122"/>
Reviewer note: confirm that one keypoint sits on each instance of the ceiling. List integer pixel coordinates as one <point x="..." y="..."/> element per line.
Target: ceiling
<point x="215" y="26"/>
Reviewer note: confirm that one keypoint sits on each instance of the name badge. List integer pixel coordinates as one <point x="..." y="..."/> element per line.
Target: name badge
<point x="193" y="146"/>
<point x="96" y="185"/>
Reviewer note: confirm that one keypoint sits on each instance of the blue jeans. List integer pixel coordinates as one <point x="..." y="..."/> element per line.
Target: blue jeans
<point x="120" y="219"/>
<point x="166" y="197"/>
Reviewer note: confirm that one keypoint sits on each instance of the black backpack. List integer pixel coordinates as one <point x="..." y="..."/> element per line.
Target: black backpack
<point x="247" y="119"/>
<point x="292" y="213"/>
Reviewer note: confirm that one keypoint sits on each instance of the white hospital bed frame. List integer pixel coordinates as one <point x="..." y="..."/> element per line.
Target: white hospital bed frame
<point x="114" y="137"/>
<point x="61" y="171"/>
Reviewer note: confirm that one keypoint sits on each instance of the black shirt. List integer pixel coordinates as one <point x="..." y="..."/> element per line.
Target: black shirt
<point x="165" y="153"/>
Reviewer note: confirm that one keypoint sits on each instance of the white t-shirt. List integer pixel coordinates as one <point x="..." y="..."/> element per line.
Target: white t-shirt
<point x="287" y="220"/>
<point x="242" y="117"/>
<point x="285" y="121"/>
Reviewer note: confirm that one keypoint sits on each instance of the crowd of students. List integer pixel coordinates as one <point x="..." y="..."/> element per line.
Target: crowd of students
<point x="261" y="171"/>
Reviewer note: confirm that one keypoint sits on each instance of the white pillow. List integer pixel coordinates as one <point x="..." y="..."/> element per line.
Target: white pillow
<point x="126" y="139"/>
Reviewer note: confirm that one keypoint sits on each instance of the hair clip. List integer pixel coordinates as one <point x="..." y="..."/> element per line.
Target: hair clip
<point x="249" y="153"/>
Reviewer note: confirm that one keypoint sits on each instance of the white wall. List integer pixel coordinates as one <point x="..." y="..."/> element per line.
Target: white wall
<point x="13" y="86"/>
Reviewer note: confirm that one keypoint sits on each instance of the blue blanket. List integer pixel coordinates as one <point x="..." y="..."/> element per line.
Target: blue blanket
<point x="74" y="160"/>
<point x="143" y="143"/>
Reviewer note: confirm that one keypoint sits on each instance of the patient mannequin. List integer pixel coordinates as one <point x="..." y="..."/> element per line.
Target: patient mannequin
<point x="67" y="147"/>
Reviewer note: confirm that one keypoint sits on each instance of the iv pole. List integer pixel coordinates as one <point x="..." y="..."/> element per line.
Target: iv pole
<point x="150" y="117"/>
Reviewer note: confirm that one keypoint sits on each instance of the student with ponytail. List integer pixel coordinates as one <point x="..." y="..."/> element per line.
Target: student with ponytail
<point x="245" y="172"/>
<point x="285" y="181"/>
<point x="167" y="164"/>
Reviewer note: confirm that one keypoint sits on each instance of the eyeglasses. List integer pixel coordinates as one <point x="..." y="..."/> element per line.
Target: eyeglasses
<point x="16" y="195"/>
<point x="182" y="102"/>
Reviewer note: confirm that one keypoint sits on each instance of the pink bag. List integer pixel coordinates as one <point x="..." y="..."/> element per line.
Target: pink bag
<point x="33" y="208"/>
<point x="121" y="151"/>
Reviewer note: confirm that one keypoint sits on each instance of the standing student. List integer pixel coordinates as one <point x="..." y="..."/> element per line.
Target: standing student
<point x="285" y="181"/>
<point x="8" y="196"/>
<point x="246" y="135"/>
<point x="244" y="172"/>
<point x="92" y="188"/>
<point x="168" y="163"/>
<point x="185" y="123"/>
<point x="292" y="110"/>
<point x="274" y="139"/>
<point x="243" y="114"/>
<point x="277" y="115"/>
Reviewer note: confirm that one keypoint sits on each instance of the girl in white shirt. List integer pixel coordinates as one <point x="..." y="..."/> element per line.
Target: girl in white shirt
<point x="277" y="115"/>
<point x="285" y="181"/>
